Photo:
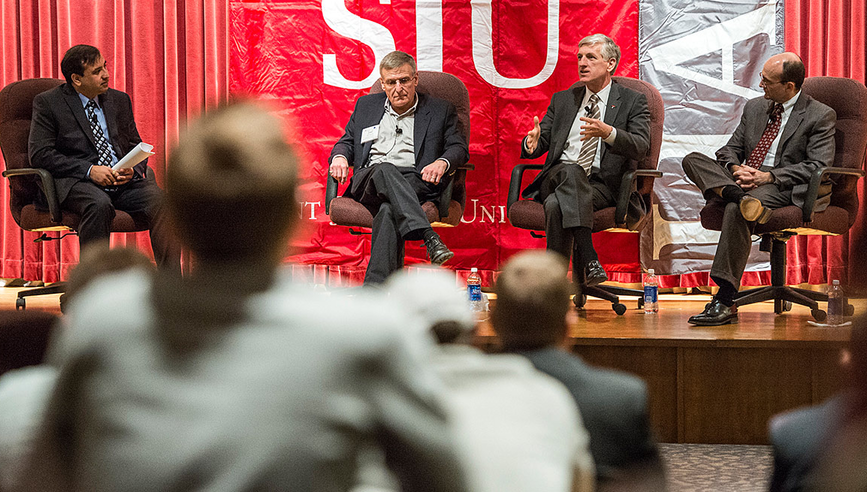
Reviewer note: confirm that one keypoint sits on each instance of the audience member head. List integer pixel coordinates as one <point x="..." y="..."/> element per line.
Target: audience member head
<point x="532" y="301"/>
<point x="230" y="186"/>
<point x="99" y="259"/>
<point x="600" y="44"/>
<point x="431" y="294"/>
<point x="399" y="79"/>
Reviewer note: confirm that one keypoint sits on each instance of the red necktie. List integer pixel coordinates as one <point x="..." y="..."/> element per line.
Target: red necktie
<point x="757" y="156"/>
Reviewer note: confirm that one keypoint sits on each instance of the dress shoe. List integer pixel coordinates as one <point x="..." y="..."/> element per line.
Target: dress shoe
<point x="437" y="251"/>
<point x="715" y="314"/>
<point x="595" y="274"/>
<point x="753" y="210"/>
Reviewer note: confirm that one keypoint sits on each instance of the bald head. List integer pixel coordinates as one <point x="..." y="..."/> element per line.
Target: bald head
<point x="782" y="76"/>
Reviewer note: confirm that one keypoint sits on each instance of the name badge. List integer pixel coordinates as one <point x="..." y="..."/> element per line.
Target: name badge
<point x="369" y="134"/>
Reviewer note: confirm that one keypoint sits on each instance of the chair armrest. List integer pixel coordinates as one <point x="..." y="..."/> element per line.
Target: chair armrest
<point x="515" y="182"/>
<point x="816" y="180"/>
<point x="47" y="186"/>
<point x="627" y="186"/>
<point x="330" y="192"/>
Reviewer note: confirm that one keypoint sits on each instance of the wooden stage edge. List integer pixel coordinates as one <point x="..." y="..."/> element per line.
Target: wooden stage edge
<point x="714" y="385"/>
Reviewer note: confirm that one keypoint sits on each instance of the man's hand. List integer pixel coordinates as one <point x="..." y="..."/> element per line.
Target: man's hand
<point x="339" y="169"/>
<point x="433" y="172"/>
<point x="123" y="176"/>
<point x="748" y="177"/>
<point x="594" y="128"/>
<point x="104" y="176"/>
<point x="533" y="136"/>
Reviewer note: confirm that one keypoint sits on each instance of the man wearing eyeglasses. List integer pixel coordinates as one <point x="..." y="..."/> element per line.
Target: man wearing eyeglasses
<point x="405" y="147"/>
<point x="766" y="164"/>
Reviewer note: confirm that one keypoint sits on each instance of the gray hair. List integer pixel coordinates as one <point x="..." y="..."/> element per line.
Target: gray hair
<point x="397" y="59"/>
<point x="609" y="47"/>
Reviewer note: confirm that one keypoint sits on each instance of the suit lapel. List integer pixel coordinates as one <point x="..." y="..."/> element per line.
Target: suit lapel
<point x="422" y="120"/>
<point x="611" y="112"/>
<point x="110" y="113"/>
<point x="74" y="103"/>
<point x="792" y="125"/>
<point x="376" y="118"/>
<point x="561" y="132"/>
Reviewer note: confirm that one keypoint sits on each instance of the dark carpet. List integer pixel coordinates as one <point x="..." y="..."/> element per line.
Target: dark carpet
<point x="717" y="467"/>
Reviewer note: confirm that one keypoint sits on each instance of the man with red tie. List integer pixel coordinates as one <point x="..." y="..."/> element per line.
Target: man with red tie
<point x="766" y="164"/>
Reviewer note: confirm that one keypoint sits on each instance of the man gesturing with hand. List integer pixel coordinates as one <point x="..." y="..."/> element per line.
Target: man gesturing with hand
<point x="593" y="135"/>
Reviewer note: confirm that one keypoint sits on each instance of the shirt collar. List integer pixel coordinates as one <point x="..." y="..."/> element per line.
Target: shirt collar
<point x="85" y="100"/>
<point x="791" y="102"/>
<point x="408" y="112"/>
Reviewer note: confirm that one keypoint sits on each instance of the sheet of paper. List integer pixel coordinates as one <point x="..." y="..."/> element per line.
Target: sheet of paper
<point x="139" y="153"/>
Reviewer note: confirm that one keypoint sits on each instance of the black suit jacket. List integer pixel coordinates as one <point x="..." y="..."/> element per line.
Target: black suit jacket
<point x="613" y="406"/>
<point x="435" y="133"/>
<point x="627" y="111"/>
<point x="62" y="143"/>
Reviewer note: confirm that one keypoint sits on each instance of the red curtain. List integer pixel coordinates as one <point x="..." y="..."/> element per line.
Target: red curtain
<point x="831" y="37"/>
<point x="171" y="57"/>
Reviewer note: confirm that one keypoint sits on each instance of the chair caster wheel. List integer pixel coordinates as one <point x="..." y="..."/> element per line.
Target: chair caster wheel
<point x="579" y="300"/>
<point x="619" y="308"/>
<point x="850" y="310"/>
<point x="20" y="303"/>
<point x="781" y="306"/>
<point x="819" y="315"/>
<point x="640" y="303"/>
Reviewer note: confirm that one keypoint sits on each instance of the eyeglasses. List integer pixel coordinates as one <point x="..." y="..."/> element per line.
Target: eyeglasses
<point x="393" y="82"/>
<point x="769" y="82"/>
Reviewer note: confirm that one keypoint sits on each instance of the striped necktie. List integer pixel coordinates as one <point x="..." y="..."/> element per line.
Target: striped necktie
<point x="98" y="136"/>
<point x="589" y="146"/>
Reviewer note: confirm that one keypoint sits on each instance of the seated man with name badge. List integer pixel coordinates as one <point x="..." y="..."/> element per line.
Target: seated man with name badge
<point x="404" y="146"/>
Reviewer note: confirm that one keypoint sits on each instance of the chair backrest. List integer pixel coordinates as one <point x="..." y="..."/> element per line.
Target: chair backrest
<point x="16" y="110"/>
<point x="848" y="98"/>
<point x="657" y="118"/>
<point x="444" y="86"/>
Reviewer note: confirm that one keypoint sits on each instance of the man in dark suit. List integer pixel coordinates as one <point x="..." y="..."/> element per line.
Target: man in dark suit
<point x="593" y="135"/>
<point x="766" y="164"/>
<point x="531" y="318"/>
<point x="404" y="146"/>
<point x="78" y="132"/>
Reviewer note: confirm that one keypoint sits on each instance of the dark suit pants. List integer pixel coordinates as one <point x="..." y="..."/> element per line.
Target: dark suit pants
<point x="394" y="196"/>
<point x="733" y="249"/>
<point x="570" y="198"/>
<point x="141" y="199"/>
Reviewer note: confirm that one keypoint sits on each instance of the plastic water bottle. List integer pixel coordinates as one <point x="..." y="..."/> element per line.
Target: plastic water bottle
<point x="836" y="304"/>
<point x="474" y="291"/>
<point x="651" y="289"/>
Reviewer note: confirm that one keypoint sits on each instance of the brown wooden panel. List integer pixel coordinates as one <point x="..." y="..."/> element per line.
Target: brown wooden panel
<point x="657" y="366"/>
<point x="729" y="394"/>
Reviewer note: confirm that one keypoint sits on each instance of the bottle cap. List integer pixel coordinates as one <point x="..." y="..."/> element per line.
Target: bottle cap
<point x="650" y="271"/>
<point x="835" y="282"/>
<point x="474" y="269"/>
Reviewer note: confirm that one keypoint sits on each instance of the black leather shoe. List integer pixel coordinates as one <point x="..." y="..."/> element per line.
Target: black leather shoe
<point x="753" y="210"/>
<point x="595" y="274"/>
<point x="437" y="251"/>
<point x="715" y="314"/>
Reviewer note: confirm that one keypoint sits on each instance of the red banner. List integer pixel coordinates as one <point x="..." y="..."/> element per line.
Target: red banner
<point x="317" y="57"/>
